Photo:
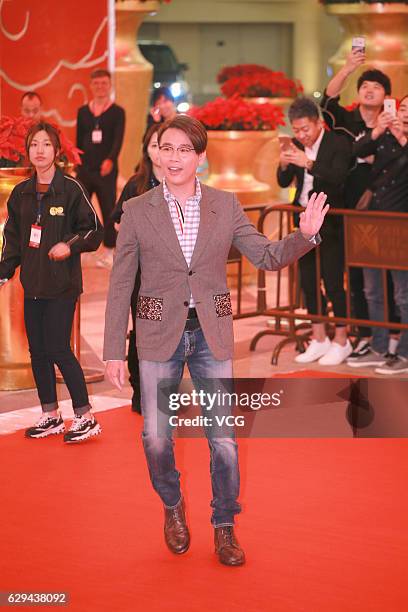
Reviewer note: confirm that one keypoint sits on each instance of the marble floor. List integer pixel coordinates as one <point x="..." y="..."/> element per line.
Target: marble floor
<point x="19" y="408"/>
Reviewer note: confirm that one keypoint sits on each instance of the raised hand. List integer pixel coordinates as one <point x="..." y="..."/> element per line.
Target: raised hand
<point x="355" y="59"/>
<point x="311" y="220"/>
<point x="384" y="121"/>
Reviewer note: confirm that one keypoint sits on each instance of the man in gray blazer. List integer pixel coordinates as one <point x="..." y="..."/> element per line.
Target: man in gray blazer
<point x="181" y="233"/>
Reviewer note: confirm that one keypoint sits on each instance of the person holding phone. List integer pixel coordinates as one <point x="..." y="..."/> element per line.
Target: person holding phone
<point x="50" y="223"/>
<point x="372" y="88"/>
<point x="318" y="160"/>
<point x="388" y="142"/>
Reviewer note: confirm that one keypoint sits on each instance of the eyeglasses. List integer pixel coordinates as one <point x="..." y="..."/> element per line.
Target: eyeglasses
<point x="183" y="151"/>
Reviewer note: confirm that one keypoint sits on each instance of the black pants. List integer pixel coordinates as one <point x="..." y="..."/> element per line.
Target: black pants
<point x="133" y="358"/>
<point x="332" y="273"/>
<point x="105" y="189"/>
<point x="48" y="325"/>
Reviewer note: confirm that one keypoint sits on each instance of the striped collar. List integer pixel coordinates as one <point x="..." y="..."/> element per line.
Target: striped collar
<point x="195" y="199"/>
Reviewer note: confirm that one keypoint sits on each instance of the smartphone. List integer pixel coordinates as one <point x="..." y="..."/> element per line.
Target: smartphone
<point x="285" y="142"/>
<point x="358" y="43"/>
<point x="390" y="106"/>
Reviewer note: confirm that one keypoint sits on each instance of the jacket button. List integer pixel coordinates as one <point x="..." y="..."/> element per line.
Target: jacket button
<point x="185" y="303"/>
<point x="190" y="273"/>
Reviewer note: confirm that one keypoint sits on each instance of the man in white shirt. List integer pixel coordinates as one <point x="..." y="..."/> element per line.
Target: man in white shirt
<point x="318" y="160"/>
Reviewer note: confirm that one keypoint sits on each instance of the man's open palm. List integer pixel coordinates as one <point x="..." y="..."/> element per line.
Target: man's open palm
<point x="311" y="220"/>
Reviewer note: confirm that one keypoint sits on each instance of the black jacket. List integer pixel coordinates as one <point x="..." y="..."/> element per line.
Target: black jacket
<point x="390" y="169"/>
<point x="74" y="220"/>
<point x="329" y="171"/>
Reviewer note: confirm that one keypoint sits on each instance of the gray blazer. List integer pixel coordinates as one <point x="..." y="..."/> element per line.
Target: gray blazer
<point x="147" y="236"/>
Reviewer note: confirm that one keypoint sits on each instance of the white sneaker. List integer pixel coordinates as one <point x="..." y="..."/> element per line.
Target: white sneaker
<point x="314" y="351"/>
<point x="336" y="354"/>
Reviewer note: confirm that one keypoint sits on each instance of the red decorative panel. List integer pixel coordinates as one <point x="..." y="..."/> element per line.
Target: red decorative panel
<point x="51" y="47"/>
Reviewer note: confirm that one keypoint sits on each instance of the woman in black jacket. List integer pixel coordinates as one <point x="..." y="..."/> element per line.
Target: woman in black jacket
<point x="50" y="223"/>
<point x="148" y="174"/>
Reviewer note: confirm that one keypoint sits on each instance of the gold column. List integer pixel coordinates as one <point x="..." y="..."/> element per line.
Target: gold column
<point x="133" y="75"/>
<point x="15" y="366"/>
<point x="385" y="28"/>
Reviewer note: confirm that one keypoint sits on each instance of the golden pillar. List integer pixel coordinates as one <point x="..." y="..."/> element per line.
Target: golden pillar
<point x="133" y="76"/>
<point x="15" y="366"/>
<point x="385" y="28"/>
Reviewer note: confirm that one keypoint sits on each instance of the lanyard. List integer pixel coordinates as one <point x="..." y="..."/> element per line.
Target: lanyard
<point x="40" y="206"/>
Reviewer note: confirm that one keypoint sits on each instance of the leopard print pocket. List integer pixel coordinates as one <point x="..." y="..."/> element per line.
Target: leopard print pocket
<point x="222" y="303"/>
<point x="149" y="308"/>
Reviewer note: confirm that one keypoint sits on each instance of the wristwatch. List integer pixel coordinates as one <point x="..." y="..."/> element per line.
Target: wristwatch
<point x="309" y="164"/>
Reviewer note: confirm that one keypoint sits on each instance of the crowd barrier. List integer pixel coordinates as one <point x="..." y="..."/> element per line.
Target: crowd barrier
<point x="372" y="239"/>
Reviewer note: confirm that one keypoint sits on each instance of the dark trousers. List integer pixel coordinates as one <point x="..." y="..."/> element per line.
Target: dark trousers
<point x="105" y="189"/>
<point x="48" y="325"/>
<point x="332" y="273"/>
<point x="133" y="358"/>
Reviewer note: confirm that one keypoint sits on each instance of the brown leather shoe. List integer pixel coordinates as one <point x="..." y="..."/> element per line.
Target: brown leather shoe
<point x="176" y="531"/>
<point x="227" y="547"/>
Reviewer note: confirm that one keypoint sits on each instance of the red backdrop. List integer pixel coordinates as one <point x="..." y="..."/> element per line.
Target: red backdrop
<point x="51" y="47"/>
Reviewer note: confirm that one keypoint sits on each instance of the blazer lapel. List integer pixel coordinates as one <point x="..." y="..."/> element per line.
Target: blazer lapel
<point x="159" y="215"/>
<point x="208" y="218"/>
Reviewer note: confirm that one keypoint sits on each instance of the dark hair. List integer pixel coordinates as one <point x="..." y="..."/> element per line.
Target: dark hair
<point x="303" y="107"/>
<point x="51" y="131"/>
<point x="162" y="92"/>
<point x="100" y="72"/>
<point x="30" y="95"/>
<point x="375" y="76"/>
<point x="144" y="169"/>
<point x="402" y="99"/>
<point x="190" y="126"/>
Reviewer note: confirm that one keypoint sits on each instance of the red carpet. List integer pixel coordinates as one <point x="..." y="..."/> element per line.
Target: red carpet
<point x="324" y="525"/>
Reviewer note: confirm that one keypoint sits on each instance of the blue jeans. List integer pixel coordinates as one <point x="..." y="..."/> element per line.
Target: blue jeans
<point x="194" y="351"/>
<point x="373" y="289"/>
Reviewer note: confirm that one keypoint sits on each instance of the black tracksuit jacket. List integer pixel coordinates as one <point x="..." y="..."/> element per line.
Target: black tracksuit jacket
<point x="66" y="216"/>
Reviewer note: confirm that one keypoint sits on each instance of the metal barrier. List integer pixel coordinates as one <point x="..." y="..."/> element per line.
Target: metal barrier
<point x="372" y="239"/>
<point x="235" y="257"/>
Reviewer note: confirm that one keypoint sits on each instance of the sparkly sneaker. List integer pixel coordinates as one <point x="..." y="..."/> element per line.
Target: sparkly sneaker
<point x="46" y="426"/>
<point x="82" y="429"/>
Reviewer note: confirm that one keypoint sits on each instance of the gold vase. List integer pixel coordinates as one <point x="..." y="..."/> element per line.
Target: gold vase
<point x="231" y="156"/>
<point x="276" y="101"/>
<point x="232" y="163"/>
<point x="133" y="77"/>
<point x="15" y="366"/>
<point x="385" y="28"/>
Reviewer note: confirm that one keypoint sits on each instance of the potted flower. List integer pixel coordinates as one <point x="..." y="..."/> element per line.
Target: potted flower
<point x="258" y="84"/>
<point x="384" y="26"/>
<point x="262" y="85"/>
<point x="237" y="131"/>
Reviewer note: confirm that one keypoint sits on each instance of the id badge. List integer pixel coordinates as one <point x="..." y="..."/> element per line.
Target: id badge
<point x="35" y="236"/>
<point x="96" y="136"/>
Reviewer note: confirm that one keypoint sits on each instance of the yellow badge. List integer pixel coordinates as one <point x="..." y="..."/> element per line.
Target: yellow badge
<point x="57" y="211"/>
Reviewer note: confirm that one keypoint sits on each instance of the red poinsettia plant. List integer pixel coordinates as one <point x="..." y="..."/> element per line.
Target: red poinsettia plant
<point x="264" y="84"/>
<point x="236" y="114"/>
<point x="13" y="132"/>
<point x="229" y="72"/>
